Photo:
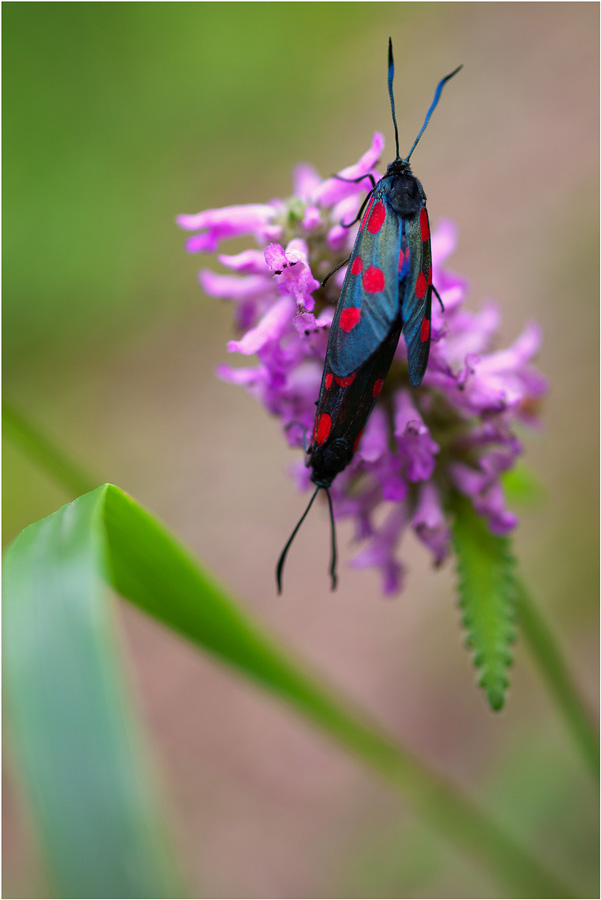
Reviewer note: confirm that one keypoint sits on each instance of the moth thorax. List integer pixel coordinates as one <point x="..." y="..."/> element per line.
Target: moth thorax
<point x="406" y="195"/>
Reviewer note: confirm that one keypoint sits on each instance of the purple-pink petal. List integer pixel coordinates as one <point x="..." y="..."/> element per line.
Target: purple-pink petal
<point x="291" y="271"/>
<point x="444" y="241"/>
<point x="305" y="180"/>
<point x="486" y="495"/>
<point x="381" y="551"/>
<point x="429" y="522"/>
<point x="374" y="442"/>
<point x="312" y="218"/>
<point x="235" y="287"/>
<point x="225" y="223"/>
<point x="333" y="190"/>
<point x="413" y="439"/>
<point x="271" y="327"/>
<point x="249" y="262"/>
<point x="246" y="376"/>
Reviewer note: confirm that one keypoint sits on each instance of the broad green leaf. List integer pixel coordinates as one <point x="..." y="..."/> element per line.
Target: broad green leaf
<point x="487" y="593"/>
<point x="73" y="731"/>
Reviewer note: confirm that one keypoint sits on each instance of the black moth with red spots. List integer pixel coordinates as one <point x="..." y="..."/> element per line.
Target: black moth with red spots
<point x="387" y="290"/>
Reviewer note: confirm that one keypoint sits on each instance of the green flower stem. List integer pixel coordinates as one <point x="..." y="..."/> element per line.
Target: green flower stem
<point x="557" y="678"/>
<point x="45" y="452"/>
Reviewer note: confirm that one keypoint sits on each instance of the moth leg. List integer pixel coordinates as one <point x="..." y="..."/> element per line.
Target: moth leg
<point x="357" y="180"/>
<point x="438" y="296"/>
<point x="335" y="269"/>
<point x="360" y="213"/>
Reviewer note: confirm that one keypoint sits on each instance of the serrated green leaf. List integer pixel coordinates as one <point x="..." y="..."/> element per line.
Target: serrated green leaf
<point x="487" y="592"/>
<point x="73" y="729"/>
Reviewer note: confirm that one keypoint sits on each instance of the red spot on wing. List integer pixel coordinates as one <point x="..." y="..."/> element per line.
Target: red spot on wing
<point x="323" y="428"/>
<point x="425" y="332"/>
<point x="376" y="219"/>
<point x="367" y="212"/>
<point x="357" y="266"/>
<point x="328" y="380"/>
<point x="401" y="259"/>
<point x="357" y="439"/>
<point x="424" y="224"/>
<point x="349" y="318"/>
<point x="374" y="280"/>
<point x="421" y="286"/>
<point x="430" y="277"/>
<point x="378" y="385"/>
<point x="344" y="382"/>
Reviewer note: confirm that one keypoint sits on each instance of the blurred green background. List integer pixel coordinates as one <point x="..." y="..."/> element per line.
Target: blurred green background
<point x="117" y="117"/>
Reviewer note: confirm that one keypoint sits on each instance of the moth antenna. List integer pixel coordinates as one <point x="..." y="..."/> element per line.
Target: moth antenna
<point x="282" y="559"/>
<point x="333" y="575"/>
<point x="390" y="80"/>
<point x="437" y="94"/>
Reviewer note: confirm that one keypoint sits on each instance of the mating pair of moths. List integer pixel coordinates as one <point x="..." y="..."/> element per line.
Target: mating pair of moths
<point x="387" y="289"/>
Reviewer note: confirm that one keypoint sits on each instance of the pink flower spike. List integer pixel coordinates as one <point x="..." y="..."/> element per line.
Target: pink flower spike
<point x="471" y="397"/>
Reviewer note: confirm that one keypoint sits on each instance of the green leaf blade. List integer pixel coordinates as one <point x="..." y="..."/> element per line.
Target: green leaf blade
<point x="73" y="731"/>
<point x="487" y="592"/>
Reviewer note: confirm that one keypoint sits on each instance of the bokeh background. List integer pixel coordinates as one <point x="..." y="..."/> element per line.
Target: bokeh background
<point x="116" y="118"/>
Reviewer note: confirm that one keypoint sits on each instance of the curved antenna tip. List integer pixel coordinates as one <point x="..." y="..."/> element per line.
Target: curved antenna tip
<point x="280" y="566"/>
<point x="433" y="105"/>
<point x="391" y="95"/>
